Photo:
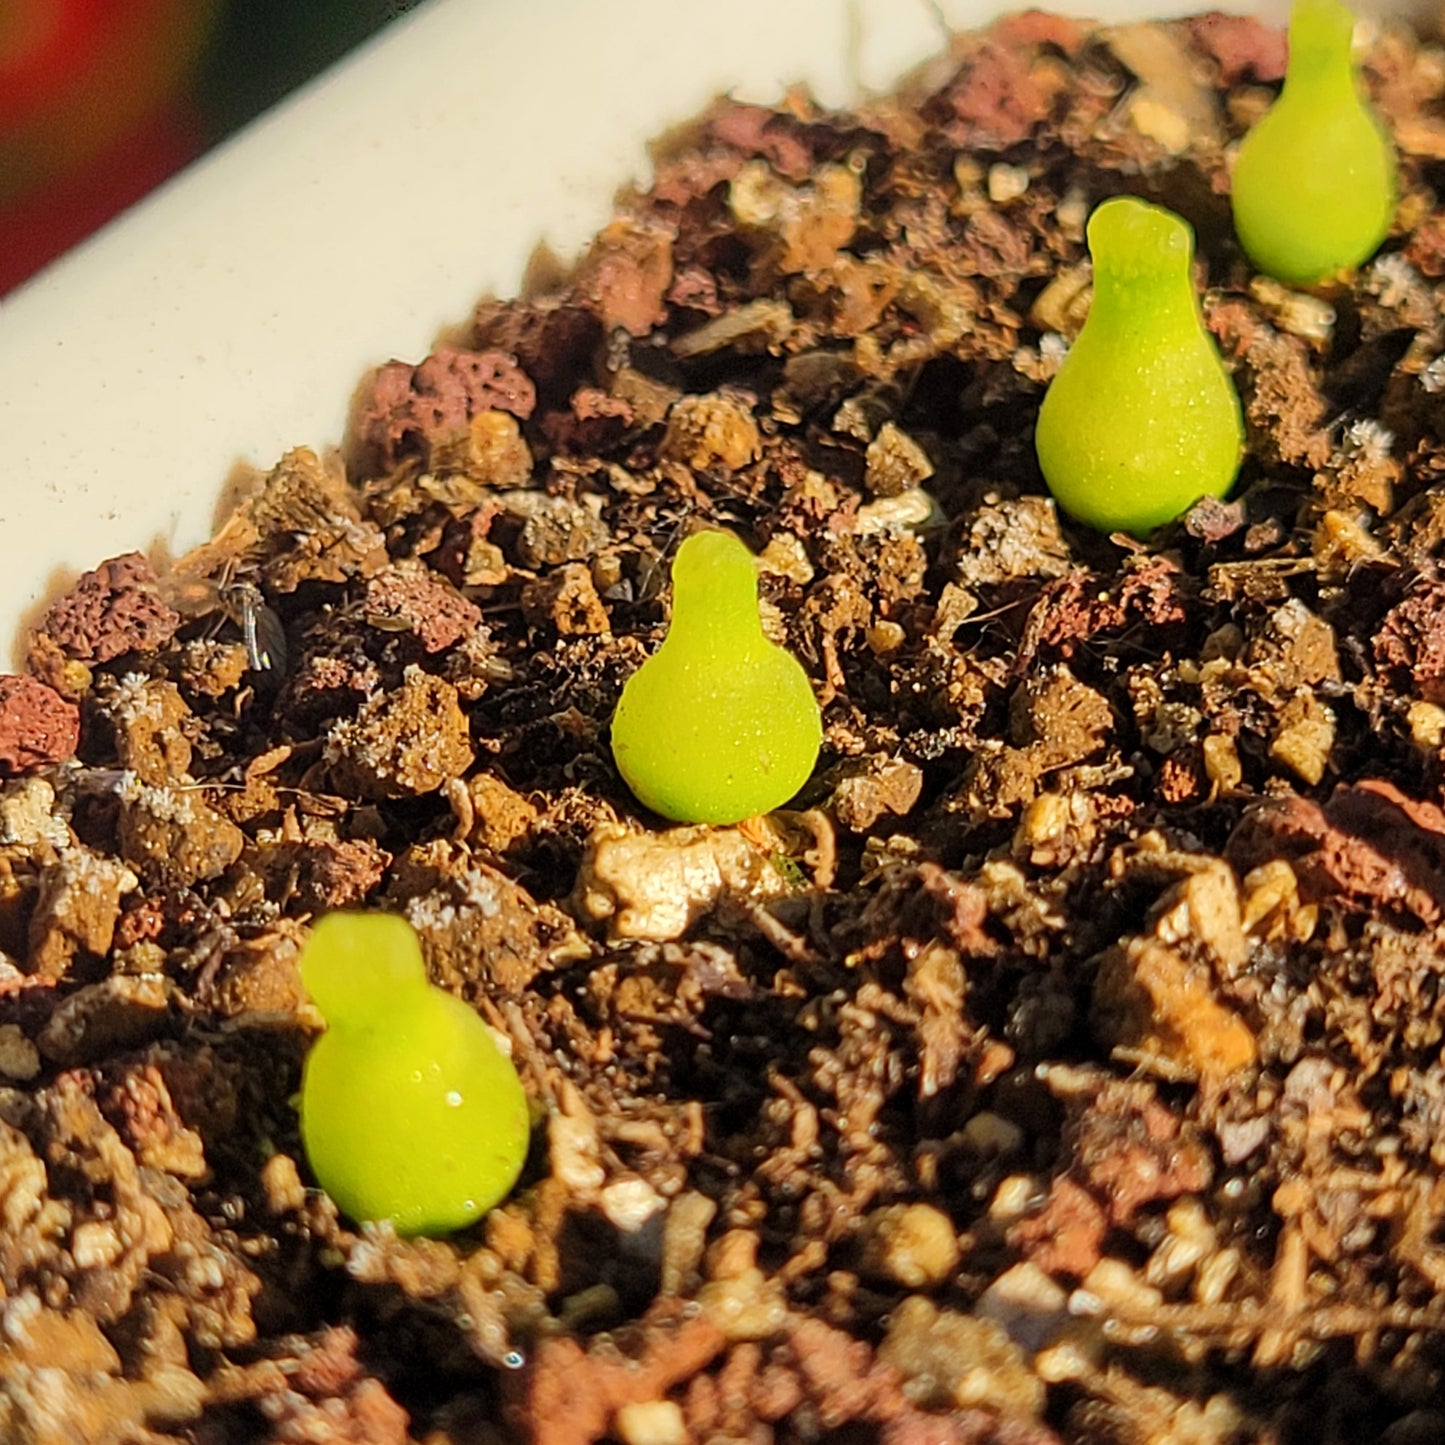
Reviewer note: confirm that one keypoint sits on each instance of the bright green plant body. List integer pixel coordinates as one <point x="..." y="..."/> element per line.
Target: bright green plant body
<point x="409" y="1109"/>
<point x="719" y="724"/>
<point x="1313" y="190"/>
<point x="1141" y="420"/>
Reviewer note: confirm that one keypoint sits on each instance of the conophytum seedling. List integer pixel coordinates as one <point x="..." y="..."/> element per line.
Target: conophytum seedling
<point x="1313" y="190"/>
<point x="409" y="1109"/>
<point x="719" y="724"/>
<point x="1141" y="420"/>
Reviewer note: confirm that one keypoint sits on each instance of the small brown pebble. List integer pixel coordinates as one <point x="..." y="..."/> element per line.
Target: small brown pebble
<point x="710" y="431"/>
<point x="1152" y="1000"/>
<point x="1067" y="1236"/>
<point x="19" y="1058"/>
<point x="566" y="1395"/>
<point x="118" y="1013"/>
<point x="307" y="521"/>
<point x="1131" y="1149"/>
<point x="482" y="932"/>
<point x="212" y="667"/>
<point x="150" y="720"/>
<point x="412" y="598"/>
<point x="626" y="275"/>
<point x="1410" y="643"/>
<point x="1295" y="648"/>
<point x="329" y="683"/>
<point x="1371" y="846"/>
<point x="171" y="835"/>
<point x="951" y="1360"/>
<point x="328" y="1365"/>
<point x="997" y="99"/>
<point x="491" y="451"/>
<point x="778" y="1393"/>
<point x="281" y="1179"/>
<point x="258" y="976"/>
<point x="882" y="787"/>
<point x="1029" y="1304"/>
<point x="836" y="1372"/>
<point x="684" y="1239"/>
<point x="27" y="815"/>
<point x="746" y="1306"/>
<point x="651" y="1422"/>
<point x="76" y="910"/>
<point x="1213" y="520"/>
<point x="1181" y="778"/>
<point x="499" y="817"/>
<point x="1009" y="539"/>
<point x="895" y="463"/>
<point x="1283" y="406"/>
<point x="364" y="1415"/>
<point x="555" y="530"/>
<point x="402" y="743"/>
<point x="567" y="601"/>
<point x="139" y="1104"/>
<point x="1244" y="47"/>
<point x="1304" y="737"/>
<point x="758" y="130"/>
<point x="914" y="1245"/>
<point x="328" y="874"/>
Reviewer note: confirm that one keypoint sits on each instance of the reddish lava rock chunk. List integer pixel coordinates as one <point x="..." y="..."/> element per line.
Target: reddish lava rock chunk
<point x="115" y="609"/>
<point x="37" y="725"/>
<point x="409" y="407"/>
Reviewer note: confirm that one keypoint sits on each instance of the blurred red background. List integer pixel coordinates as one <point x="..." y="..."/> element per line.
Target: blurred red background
<point x="101" y="100"/>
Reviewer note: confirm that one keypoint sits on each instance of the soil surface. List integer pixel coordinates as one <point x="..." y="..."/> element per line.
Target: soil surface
<point x="1064" y="1065"/>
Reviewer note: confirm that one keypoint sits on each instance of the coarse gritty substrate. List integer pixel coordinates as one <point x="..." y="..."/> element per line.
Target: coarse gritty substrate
<point x="1065" y="1067"/>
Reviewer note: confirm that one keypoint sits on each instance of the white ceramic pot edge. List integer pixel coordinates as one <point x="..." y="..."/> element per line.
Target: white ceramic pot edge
<point x="230" y="316"/>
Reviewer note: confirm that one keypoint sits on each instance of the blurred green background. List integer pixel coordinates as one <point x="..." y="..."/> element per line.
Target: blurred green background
<point x="263" y="49"/>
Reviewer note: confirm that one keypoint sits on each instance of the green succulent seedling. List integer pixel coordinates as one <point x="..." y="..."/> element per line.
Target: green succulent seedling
<point x="409" y="1109"/>
<point x="1141" y="420"/>
<point x="719" y="724"/>
<point x="1313" y="189"/>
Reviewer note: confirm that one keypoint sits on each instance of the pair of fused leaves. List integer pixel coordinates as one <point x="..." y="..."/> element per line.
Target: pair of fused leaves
<point x="1313" y="189"/>
<point x="1142" y="420"/>
<point x="409" y="1110"/>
